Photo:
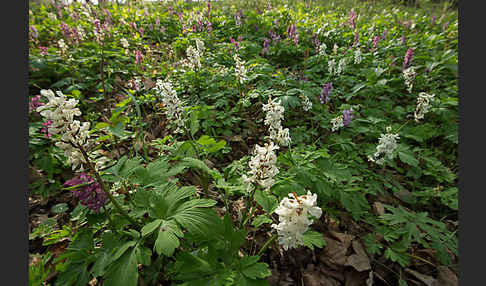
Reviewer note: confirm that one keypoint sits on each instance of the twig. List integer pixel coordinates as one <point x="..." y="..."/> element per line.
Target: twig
<point x="103" y="186"/>
<point x="267" y="243"/>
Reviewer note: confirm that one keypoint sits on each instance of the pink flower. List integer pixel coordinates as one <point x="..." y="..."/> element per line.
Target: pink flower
<point x="45" y="129"/>
<point x="376" y="40"/>
<point x="43" y="50"/>
<point x="352" y="19"/>
<point x="138" y="57"/>
<point x="407" y="61"/>
<point x="34" y="103"/>
<point x="91" y="194"/>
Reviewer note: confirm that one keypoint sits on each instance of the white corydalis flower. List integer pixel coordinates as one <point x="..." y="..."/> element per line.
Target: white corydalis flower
<point x="322" y="49"/>
<point x="173" y="105"/>
<point x="332" y="66"/>
<point x="99" y="159"/>
<point x="357" y="56"/>
<point x="124" y="43"/>
<point x="52" y="16"/>
<point x="337" y="123"/>
<point x="240" y="69"/>
<point x="306" y="103"/>
<point x="294" y="219"/>
<point x="200" y="46"/>
<point x="335" y="48"/>
<point x="341" y="66"/>
<point x="387" y="144"/>
<point x="81" y="33"/>
<point x="62" y="46"/>
<point x="423" y="105"/>
<point x="273" y="117"/>
<point x="74" y="134"/>
<point x="193" y="58"/>
<point x="409" y="76"/>
<point x="263" y="167"/>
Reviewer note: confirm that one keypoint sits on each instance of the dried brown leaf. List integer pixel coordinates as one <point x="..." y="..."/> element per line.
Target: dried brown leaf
<point x="313" y="277"/>
<point x="335" y="250"/>
<point x="426" y="279"/>
<point x="378" y="208"/>
<point x="446" y="277"/>
<point x="354" y="278"/>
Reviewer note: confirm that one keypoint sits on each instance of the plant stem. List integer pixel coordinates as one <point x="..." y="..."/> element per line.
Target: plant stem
<point x="103" y="186"/>
<point x="403" y="125"/>
<point x="102" y="69"/>
<point x="248" y="202"/>
<point x="267" y="243"/>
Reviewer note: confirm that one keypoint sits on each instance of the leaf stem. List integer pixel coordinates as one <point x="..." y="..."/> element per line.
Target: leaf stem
<point x="248" y="202"/>
<point x="103" y="187"/>
<point x="267" y="243"/>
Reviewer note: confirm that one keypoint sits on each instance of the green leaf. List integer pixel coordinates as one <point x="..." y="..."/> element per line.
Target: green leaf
<point x="257" y="270"/>
<point x="198" y="164"/>
<point x="101" y="262"/>
<point x="408" y="158"/>
<point x="167" y="240"/>
<point x="242" y="280"/>
<point x="198" y="221"/>
<point x="261" y="219"/>
<point x="313" y="238"/>
<point x="372" y="244"/>
<point x="59" y="208"/>
<point x="124" y="271"/>
<point x="402" y="282"/>
<point x="268" y="202"/>
<point x="150" y="227"/>
<point x="396" y="256"/>
<point x="354" y="202"/>
<point x="194" y="123"/>
<point x="144" y="255"/>
<point x="117" y="129"/>
<point x="358" y="87"/>
<point x="247" y="261"/>
<point x="74" y="274"/>
<point x="123" y="248"/>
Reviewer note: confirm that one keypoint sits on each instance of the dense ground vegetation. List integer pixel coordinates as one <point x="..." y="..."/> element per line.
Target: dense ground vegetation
<point x="243" y="143"/>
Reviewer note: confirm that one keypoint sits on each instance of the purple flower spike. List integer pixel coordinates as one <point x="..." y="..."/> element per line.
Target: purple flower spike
<point x="235" y="43"/>
<point x="66" y="32"/>
<point x="326" y="92"/>
<point x="407" y="61"/>
<point x="347" y="116"/>
<point x="138" y="57"/>
<point x="445" y="26"/>
<point x="352" y="19"/>
<point x="316" y="41"/>
<point x="266" y="45"/>
<point x="274" y="36"/>
<point x="34" y="103"/>
<point x="376" y="40"/>
<point x="384" y="34"/>
<point x="292" y="33"/>
<point x="90" y="195"/>
<point x="238" y="19"/>
<point x="45" y="129"/>
<point x="43" y="50"/>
